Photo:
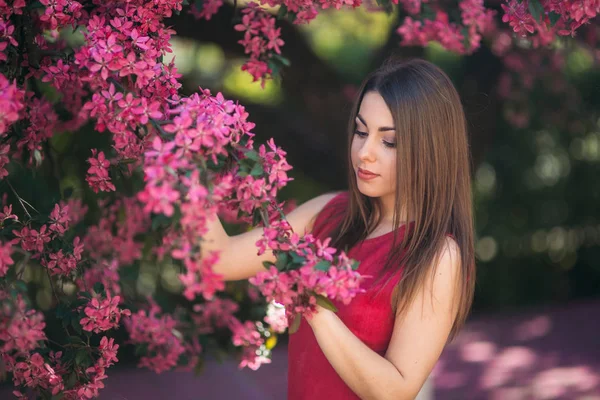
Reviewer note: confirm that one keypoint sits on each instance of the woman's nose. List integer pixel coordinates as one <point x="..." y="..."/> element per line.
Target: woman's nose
<point x="366" y="151"/>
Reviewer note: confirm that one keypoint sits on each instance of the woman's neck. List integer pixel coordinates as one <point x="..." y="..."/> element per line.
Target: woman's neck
<point x="387" y="205"/>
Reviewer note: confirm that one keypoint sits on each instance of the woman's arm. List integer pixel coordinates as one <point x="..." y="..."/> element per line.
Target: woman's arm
<point x="238" y="257"/>
<point x="418" y="339"/>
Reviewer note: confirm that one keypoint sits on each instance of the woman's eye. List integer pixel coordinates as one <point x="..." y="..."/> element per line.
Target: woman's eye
<point x="389" y="144"/>
<point x="359" y="133"/>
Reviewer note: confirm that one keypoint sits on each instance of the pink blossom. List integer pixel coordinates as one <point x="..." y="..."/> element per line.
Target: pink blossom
<point x="98" y="173"/>
<point x="200" y="278"/>
<point x="11" y="104"/>
<point x="158" y="334"/>
<point x="103" y="314"/>
<point x="21" y="329"/>
<point x="6" y="260"/>
<point x="59" y="219"/>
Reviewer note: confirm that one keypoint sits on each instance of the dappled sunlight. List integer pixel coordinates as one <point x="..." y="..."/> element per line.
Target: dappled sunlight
<point x="206" y="65"/>
<point x="347" y="38"/>
<point x="535" y="356"/>
<point x="238" y="84"/>
<point x="558" y="382"/>
<point x="480" y="351"/>
<point x="508" y="365"/>
<point x="534" y="328"/>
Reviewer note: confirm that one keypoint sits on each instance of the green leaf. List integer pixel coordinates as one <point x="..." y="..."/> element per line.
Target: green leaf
<point x="159" y="221"/>
<point x="355" y="265"/>
<point x="298" y="259"/>
<point x="282" y="60"/>
<point x="99" y="287"/>
<point x="326" y="303"/>
<point x="76" y="340"/>
<point x="554" y="17"/>
<point x="66" y="320"/>
<point x="21" y="286"/>
<point x="256" y="217"/>
<point x="323" y="266"/>
<point x="281" y="13"/>
<point x="71" y="380"/>
<point x="81" y="357"/>
<point x="274" y="66"/>
<point x="282" y="261"/>
<point x="268" y="264"/>
<point x="257" y="170"/>
<point x="295" y="324"/>
<point x="76" y="325"/>
<point x="35" y="4"/>
<point x="252" y="155"/>
<point x="536" y="9"/>
<point x="61" y="310"/>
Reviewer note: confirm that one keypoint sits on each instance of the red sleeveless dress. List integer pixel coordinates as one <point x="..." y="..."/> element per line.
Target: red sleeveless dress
<point x="369" y="316"/>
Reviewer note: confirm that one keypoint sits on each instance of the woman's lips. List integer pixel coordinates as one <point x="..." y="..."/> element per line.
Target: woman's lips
<point x="366" y="175"/>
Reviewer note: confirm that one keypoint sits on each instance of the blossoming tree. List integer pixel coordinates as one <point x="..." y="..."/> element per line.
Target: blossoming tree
<point x="159" y="167"/>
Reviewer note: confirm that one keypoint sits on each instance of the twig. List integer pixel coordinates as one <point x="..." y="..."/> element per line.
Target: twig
<point x="19" y="198"/>
<point x="52" y="285"/>
<point x="23" y="265"/>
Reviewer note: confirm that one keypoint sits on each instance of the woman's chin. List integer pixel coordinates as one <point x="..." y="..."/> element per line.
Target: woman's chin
<point x="368" y="190"/>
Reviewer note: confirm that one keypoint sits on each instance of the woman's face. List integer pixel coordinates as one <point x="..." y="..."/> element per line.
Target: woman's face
<point x="374" y="148"/>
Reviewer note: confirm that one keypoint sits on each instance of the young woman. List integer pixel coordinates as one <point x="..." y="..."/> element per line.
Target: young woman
<point x="407" y="217"/>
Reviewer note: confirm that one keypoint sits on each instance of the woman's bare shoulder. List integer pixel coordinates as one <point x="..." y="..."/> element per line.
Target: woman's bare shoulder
<point x="302" y="218"/>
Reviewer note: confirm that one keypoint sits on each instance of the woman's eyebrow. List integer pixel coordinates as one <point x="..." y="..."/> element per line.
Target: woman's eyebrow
<point x="381" y="128"/>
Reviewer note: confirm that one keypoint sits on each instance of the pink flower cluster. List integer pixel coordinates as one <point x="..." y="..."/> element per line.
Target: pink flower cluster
<point x="159" y="336"/>
<point x="207" y="9"/>
<point x="113" y="242"/>
<point x="251" y="191"/>
<point x="103" y="314"/>
<point x="556" y="17"/>
<point x="214" y="314"/>
<point x="200" y="278"/>
<point x="36" y="241"/>
<point x="21" y="329"/>
<point x="12" y="105"/>
<point x="7" y="29"/>
<point x="306" y="270"/>
<point x="64" y="264"/>
<point x="261" y="40"/>
<point x="35" y="372"/>
<point x="122" y="46"/>
<point x="205" y="129"/>
<point x="98" y="177"/>
<point x="6" y="250"/>
<point x="116" y="235"/>
<point x="463" y="37"/>
<point x="251" y="337"/>
<point x="305" y="11"/>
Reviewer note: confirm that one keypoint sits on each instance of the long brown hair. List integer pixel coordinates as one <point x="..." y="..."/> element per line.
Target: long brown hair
<point x="434" y="180"/>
